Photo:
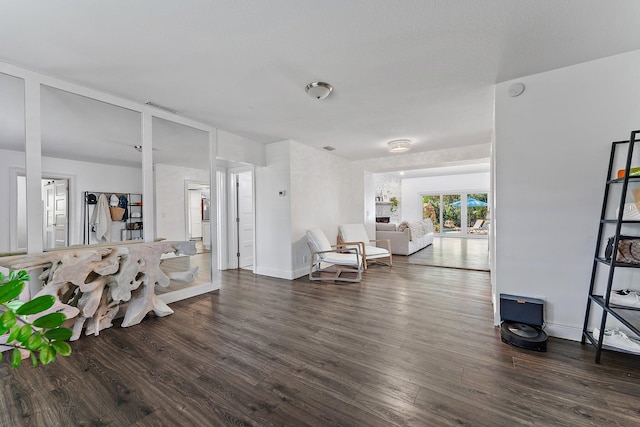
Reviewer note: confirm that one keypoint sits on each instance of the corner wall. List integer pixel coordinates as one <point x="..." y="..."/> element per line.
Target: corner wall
<point x="273" y="213"/>
<point x="551" y="153"/>
<point x="320" y="190"/>
<point x="324" y="193"/>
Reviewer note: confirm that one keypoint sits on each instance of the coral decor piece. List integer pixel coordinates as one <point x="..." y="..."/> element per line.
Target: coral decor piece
<point x="91" y="283"/>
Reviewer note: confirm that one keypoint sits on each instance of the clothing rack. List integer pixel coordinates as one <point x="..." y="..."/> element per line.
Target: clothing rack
<point x="132" y="229"/>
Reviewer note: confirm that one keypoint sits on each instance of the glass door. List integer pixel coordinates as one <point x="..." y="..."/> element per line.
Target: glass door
<point x="451" y="214"/>
<point x="431" y="209"/>
<point x="477" y="214"/>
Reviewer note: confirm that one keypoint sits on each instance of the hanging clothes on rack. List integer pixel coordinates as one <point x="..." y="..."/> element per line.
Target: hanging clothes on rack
<point x="101" y="219"/>
<point x="124" y="204"/>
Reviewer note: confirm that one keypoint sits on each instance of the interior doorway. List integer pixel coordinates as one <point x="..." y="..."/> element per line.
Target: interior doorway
<point x="55" y="213"/>
<point x="197" y="214"/>
<point x="55" y="196"/>
<point x="241" y="214"/>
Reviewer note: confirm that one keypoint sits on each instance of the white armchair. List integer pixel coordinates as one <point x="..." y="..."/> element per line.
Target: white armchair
<point x="351" y="234"/>
<point x="345" y="262"/>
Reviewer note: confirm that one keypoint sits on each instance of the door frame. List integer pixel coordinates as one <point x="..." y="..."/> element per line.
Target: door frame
<point x="73" y="233"/>
<point x="232" y="230"/>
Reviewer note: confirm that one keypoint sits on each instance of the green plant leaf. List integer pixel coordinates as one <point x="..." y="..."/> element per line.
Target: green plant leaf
<point x="37" y="305"/>
<point x="16" y="358"/>
<point x="23" y="275"/>
<point x="61" y="347"/>
<point x="47" y="355"/>
<point x="8" y="319"/>
<point x="34" y="359"/>
<point x="24" y="333"/>
<point x="51" y="320"/>
<point x="10" y="290"/>
<point x="58" y="334"/>
<point x="34" y="342"/>
<point x="3" y="330"/>
<point x="13" y="334"/>
<point x="15" y="304"/>
<point x="2" y="277"/>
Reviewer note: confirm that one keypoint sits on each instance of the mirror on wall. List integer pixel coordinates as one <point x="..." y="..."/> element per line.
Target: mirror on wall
<point x="91" y="170"/>
<point x="182" y="196"/>
<point x="13" y="222"/>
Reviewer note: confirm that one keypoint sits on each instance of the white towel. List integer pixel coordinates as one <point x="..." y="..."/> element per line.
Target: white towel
<point x="101" y="219"/>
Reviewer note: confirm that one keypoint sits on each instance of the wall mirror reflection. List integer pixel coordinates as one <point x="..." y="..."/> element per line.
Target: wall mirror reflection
<point x="91" y="170"/>
<point x="182" y="197"/>
<point x="13" y="226"/>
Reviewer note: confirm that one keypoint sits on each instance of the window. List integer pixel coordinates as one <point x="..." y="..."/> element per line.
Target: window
<point x="457" y="214"/>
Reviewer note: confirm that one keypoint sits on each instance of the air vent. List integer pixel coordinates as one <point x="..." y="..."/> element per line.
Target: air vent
<point x="329" y="148"/>
<point x="161" y="107"/>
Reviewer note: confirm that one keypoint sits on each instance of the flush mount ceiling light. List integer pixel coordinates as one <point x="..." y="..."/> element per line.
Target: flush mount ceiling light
<point x="319" y="90"/>
<point x="399" y="146"/>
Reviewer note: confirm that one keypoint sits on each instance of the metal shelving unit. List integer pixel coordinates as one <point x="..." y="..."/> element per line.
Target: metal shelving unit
<point x="628" y="316"/>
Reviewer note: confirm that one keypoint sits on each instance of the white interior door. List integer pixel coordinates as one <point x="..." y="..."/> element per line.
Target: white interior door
<point x="245" y="218"/>
<point x="195" y="214"/>
<point x="56" y="222"/>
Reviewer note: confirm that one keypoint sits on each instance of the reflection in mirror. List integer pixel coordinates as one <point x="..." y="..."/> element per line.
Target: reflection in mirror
<point x="182" y="197"/>
<point x="91" y="170"/>
<point x="13" y="222"/>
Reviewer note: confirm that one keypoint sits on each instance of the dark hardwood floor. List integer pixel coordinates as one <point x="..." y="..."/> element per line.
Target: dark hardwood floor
<point x="410" y="345"/>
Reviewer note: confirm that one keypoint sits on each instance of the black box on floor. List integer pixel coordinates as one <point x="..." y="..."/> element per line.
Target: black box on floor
<point x="521" y="309"/>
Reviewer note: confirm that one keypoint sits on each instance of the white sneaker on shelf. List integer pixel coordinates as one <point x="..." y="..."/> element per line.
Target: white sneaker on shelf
<point x="625" y="297"/>
<point x="618" y="339"/>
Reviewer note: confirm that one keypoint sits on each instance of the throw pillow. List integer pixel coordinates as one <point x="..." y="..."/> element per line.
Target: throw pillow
<point x="403" y="226"/>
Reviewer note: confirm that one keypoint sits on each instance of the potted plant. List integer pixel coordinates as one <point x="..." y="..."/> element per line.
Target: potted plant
<point x="27" y="326"/>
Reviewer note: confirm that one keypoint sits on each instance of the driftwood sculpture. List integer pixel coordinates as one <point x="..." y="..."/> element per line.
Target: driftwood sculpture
<point x="91" y="283"/>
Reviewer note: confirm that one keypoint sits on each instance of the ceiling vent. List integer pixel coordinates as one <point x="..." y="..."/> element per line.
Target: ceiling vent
<point x="161" y="107"/>
<point x="329" y="148"/>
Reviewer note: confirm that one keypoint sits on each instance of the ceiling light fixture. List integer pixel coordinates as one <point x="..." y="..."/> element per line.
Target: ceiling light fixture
<point x="399" y="146"/>
<point x="319" y="90"/>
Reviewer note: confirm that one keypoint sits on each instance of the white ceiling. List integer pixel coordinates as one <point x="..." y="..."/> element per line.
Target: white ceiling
<point x="416" y="69"/>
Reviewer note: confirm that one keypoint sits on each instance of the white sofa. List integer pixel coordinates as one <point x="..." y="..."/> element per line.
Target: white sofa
<point x="406" y="237"/>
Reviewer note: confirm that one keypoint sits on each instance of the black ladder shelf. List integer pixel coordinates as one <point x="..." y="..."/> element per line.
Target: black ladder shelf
<point x="628" y="316"/>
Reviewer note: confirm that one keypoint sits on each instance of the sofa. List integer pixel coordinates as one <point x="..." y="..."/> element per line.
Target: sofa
<point x="406" y="237"/>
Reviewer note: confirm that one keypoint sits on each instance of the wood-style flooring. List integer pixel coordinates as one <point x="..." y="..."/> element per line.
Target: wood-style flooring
<point x="453" y="252"/>
<point x="410" y="345"/>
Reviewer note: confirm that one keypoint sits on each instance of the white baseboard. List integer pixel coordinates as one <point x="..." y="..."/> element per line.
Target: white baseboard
<point x="280" y="274"/>
<point x="572" y="333"/>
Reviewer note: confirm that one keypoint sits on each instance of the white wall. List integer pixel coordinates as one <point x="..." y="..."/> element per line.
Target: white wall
<point x="412" y="188"/>
<point x="320" y="190"/>
<point x="273" y="213"/>
<point x="84" y="176"/>
<point x="324" y="194"/>
<point x="170" y="180"/>
<point x="239" y="149"/>
<point x="551" y="150"/>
